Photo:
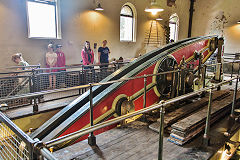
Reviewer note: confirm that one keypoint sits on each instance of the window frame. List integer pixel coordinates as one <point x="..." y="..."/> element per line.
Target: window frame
<point x="55" y="3"/>
<point x="122" y="15"/>
<point x="176" y="24"/>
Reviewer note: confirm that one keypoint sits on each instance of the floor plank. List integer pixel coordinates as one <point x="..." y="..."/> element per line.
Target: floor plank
<point x="140" y="143"/>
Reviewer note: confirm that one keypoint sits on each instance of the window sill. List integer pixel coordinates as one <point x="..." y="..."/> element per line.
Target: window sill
<point x="128" y="41"/>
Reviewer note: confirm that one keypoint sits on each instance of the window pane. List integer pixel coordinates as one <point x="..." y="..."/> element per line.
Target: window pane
<point x="126" y="28"/>
<point x="42" y="20"/>
<point x="172" y="31"/>
<point x="126" y="11"/>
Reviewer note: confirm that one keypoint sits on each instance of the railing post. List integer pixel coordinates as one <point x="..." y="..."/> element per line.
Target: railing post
<point x="30" y="88"/>
<point x="160" y="147"/>
<point x="204" y="70"/>
<point x="231" y="74"/>
<point x="206" y="138"/>
<point x="204" y="75"/>
<point x="234" y="97"/>
<point x="79" y="82"/>
<point x="178" y="81"/>
<point x="183" y="85"/>
<point x="218" y="73"/>
<point x="145" y="91"/>
<point x="35" y="105"/>
<point x="91" y="137"/>
<point x="144" y="95"/>
<point x="30" y="150"/>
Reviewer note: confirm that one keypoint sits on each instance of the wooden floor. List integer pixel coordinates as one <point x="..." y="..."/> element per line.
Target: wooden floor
<point x="44" y="106"/>
<point x="138" y="142"/>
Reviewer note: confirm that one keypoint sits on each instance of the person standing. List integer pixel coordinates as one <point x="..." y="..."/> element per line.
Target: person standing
<point x="103" y="54"/>
<point x="51" y="61"/>
<point x="61" y="61"/>
<point x="87" y="55"/>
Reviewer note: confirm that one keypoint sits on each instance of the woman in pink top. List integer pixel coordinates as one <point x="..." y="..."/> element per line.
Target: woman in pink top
<point x="87" y="55"/>
<point x="51" y="61"/>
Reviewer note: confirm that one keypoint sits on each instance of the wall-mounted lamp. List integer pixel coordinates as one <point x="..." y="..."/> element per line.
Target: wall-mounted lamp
<point x="238" y="22"/>
<point x="99" y="7"/>
<point x="154" y="8"/>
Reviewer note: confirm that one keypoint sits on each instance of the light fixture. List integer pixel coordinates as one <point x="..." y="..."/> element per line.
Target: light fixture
<point x="154" y="8"/>
<point x="99" y="7"/>
<point x="238" y="22"/>
<point x="159" y="19"/>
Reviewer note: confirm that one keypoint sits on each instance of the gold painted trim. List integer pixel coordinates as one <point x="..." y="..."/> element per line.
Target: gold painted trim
<point x="154" y="78"/>
<point x="114" y="104"/>
<point x="140" y="92"/>
<point x="154" y="82"/>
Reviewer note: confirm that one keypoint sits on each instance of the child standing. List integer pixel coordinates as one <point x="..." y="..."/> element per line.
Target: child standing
<point x="51" y="61"/>
<point x="87" y="55"/>
<point x="103" y="54"/>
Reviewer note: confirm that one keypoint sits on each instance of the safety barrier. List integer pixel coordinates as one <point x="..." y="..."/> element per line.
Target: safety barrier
<point x="35" y="79"/>
<point x="95" y="127"/>
<point x="15" y="144"/>
<point x="162" y="105"/>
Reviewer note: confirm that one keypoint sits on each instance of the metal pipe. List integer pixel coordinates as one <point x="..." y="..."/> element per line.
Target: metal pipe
<point x="91" y="104"/>
<point x="204" y="75"/>
<point x="73" y="66"/>
<point x="231" y="74"/>
<point x="35" y="106"/>
<point x="47" y="154"/>
<point x="85" y="131"/>
<point x="161" y="129"/>
<point x="206" y="138"/>
<point x="191" y="10"/>
<point x="29" y="95"/>
<point x="91" y="138"/>
<point x="15" y="129"/>
<point x="144" y="96"/>
<point x="234" y="97"/>
<point x="178" y="81"/>
<point x="79" y="82"/>
<point x="145" y="90"/>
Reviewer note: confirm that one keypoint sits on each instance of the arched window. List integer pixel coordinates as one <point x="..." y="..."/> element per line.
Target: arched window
<point x="173" y="24"/>
<point x="127" y="23"/>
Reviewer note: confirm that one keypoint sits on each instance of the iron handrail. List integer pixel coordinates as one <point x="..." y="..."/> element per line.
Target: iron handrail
<point x="80" y="66"/>
<point x="25" y="138"/>
<point x="15" y="129"/>
<point x="88" y="130"/>
<point x="47" y="154"/>
<point x="52" y="68"/>
<point x="29" y="95"/>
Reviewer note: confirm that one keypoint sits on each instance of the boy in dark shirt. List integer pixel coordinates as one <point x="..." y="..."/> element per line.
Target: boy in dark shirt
<point x="103" y="54"/>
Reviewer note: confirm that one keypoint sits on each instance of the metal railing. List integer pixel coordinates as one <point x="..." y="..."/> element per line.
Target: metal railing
<point x="41" y="146"/>
<point x="37" y="80"/>
<point x="161" y="106"/>
<point x="13" y="84"/>
<point x="15" y="144"/>
<point x="81" y="89"/>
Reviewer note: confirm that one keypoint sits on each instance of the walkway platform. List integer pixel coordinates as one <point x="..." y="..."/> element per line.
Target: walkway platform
<point x="137" y="142"/>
